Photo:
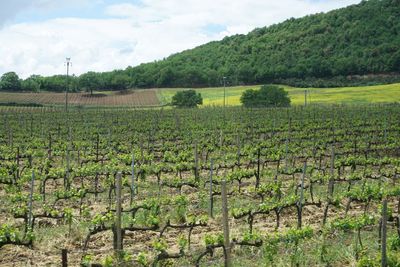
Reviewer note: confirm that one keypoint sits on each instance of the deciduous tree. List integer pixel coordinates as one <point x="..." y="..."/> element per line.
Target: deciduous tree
<point x="266" y="96"/>
<point x="187" y="99"/>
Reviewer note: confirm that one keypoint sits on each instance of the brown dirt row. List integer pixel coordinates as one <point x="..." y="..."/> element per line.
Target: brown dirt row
<point x="132" y="98"/>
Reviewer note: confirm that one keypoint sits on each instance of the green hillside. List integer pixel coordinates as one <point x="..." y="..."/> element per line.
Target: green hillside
<point x="356" y="40"/>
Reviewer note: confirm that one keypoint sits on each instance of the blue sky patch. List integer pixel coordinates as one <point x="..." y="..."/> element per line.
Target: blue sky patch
<point x="212" y="28"/>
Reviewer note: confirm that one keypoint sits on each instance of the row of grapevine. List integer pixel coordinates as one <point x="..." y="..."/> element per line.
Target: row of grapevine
<point x="299" y="182"/>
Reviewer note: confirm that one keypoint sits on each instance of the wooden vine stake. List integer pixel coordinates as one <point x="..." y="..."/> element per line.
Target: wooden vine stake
<point x="30" y="216"/>
<point x="133" y="178"/>
<point x="227" y="243"/>
<point x="238" y="150"/>
<point x="330" y="185"/>
<point x="18" y="163"/>
<point x="300" y="203"/>
<point x="196" y="163"/>
<point x="96" y="179"/>
<point x="31" y="126"/>
<point x="332" y="174"/>
<point x="384" y="231"/>
<point x="286" y="154"/>
<point x="49" y="150"/>
<point x="10" y="138"/>
<point x="66" y="178"/>
<point x="287" y="145"/>
<point x="211" y="190"/>
<point x="64" y="257"/>
<point x="118" y="247"/>
<point x="141" y="152"/>
<point x="258" y="168"/>
<point x="398" y="217"/>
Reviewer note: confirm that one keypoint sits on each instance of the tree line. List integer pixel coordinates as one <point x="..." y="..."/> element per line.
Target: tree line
<point x="267" y="96"/>
<point x="89" y="82"/>
<point x="339" y="48"/>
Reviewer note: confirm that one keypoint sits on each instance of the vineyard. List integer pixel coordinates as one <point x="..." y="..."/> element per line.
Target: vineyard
<point x="137" y="98"/>
<point x="304" y="186"/>
<point x="387" y="93"/>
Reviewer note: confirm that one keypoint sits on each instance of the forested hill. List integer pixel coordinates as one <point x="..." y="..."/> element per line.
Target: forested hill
<point x="356" y="40"/>
<point x="326" y="49"/>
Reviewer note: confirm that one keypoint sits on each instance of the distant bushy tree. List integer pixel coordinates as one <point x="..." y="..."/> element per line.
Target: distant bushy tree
<point x="89" y="81"/>
<point x="266" y="96"/>
<point x="55" y="83"/>
<point x="120" y="81"/>
<point x="10" y="82"/>
<point x="187" y="99"/>
<point x="32" y="83"/>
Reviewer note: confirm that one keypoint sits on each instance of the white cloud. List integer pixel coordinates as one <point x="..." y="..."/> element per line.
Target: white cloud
<point x="135" y="13"/>
<point x="9" y="9"/>
<point x="133" y="34"/>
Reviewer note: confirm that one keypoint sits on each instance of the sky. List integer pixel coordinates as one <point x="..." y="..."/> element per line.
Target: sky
<point x="36" y="36"/>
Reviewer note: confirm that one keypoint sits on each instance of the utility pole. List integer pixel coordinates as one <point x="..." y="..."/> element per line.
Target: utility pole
<point x="68" y="63"/>
<point x="224" y="78"/>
